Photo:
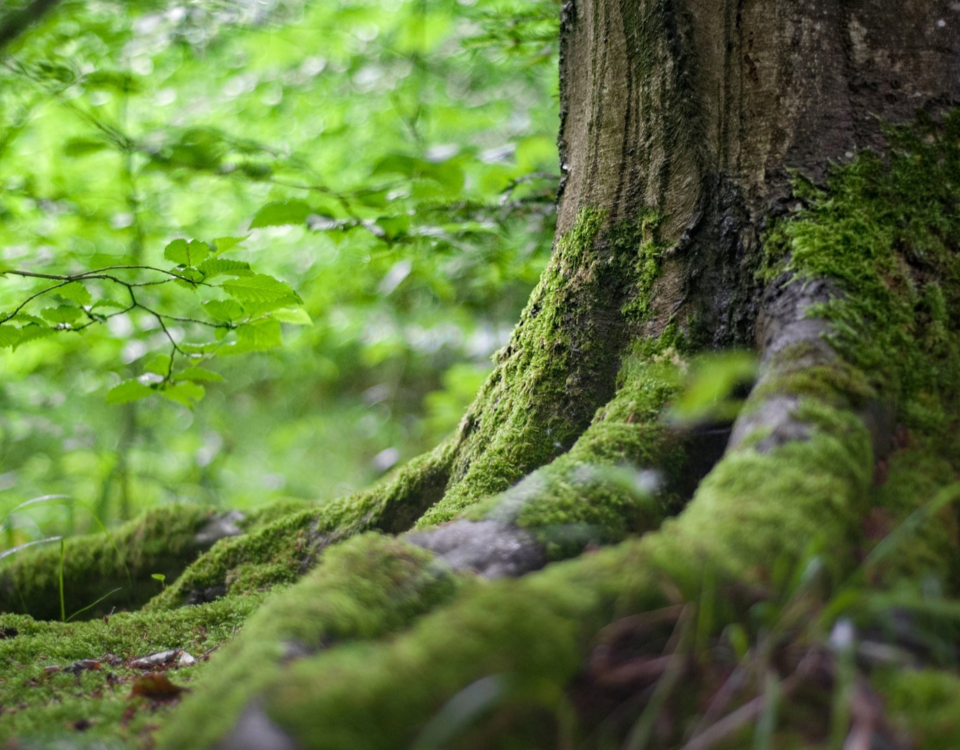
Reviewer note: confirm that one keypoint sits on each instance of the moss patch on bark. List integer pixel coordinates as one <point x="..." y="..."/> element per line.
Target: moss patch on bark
<point x="561" y="363"/>
<point x="597" y="493"/>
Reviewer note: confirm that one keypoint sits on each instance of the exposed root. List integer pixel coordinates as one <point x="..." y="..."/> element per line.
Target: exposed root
<point x="280" y="552"/>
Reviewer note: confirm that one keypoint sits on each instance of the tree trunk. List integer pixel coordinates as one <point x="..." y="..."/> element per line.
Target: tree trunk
<point x="698" y="211"/>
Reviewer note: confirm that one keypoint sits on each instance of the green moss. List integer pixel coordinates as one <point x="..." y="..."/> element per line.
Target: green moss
<point x="924" y="703"/>
<point x="929" y="549"/>
<point x="593" y="494"/>
<point x="537" y="630"/>
<point x="160" y="541"/>
<point x="366" y="587"/>
<point x="887" y="231"/>
<point x="836" y="382"/>
<point x="561" y="362"/>
<point x="279" y="551"/>
<point x="38" y="706"/>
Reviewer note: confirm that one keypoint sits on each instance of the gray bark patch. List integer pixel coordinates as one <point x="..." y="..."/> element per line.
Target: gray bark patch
<point x="490" y="548"/>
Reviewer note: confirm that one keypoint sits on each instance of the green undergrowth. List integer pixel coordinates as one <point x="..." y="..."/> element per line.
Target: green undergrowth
<point x="366" y="587"/>
<point x="280" y="551"/>
<point x="928" y="551"/>
<point x="598" y="493"/>
<point x="160" y="542"/>
<point x="42" y="706"/>
<point x="923" y="704"/>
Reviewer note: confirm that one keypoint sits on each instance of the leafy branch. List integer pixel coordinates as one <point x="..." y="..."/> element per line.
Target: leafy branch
<point x="252" y="302"/>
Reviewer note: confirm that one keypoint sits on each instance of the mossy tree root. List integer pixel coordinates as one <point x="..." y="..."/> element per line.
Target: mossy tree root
<point x="122" y="564"/>
<point x="279" y="552"/>
<point x="538" y="629"/>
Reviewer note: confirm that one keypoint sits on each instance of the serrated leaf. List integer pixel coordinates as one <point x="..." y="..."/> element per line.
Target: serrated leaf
<point x="213" y="267"/>
<point x="185" y="253"/>
<point x="226" y="244"/>
<point x="61" y="314"/>
<point x="259" y="288"/>
<point x="77" y="147"/>
<point x="186" y="393"/>
<point x="9" y="336"/>
<point x="127" y="391"/>
<point x="281" y="213"/>
<point x="28" y="318"/>
<point x="75" y="292"/>
<point x="258" y="336"/>
<point x="295" y="316"/>
<point x="109" y="303"/>
<point x="197" y="375"/>
<point x="223" y="311"/>
<point x="33" y="333"/>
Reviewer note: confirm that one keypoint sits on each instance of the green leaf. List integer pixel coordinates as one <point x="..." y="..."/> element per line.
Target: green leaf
<point x="295" y="316"/>
<point x="75" y="292"/>
<point x="159" y="365"/>
<point x="109" y="303"/>
<point x="197" y="148"/>
<point x="213" y="267"/>
<point x="127" y="391"/>
<point x="408" y="166"/>
<point x="9" y="336"/>
<point x="197" y="375"/>
<point x="256" y="170"/>
<point x="62" y="314"/>
<point x="28" y="318"/>
<point x="260" y="288"/>
<point x="188" y="278"/>
<point x="111" y="79"/>
<point x="255" y="337"/>
<point x="281" y="213"/>
<point x="185" y="393"/>
<point x="223" y="311"/>
<point x="33" y="333"/>
<point x="186" y="253"/>
<point x="258" y="336"/>
<point x="226" y="244"/>
<point x="77" y="147"/>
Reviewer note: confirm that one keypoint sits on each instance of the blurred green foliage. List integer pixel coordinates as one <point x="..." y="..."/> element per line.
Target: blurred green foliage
<point x="389" y="164"/>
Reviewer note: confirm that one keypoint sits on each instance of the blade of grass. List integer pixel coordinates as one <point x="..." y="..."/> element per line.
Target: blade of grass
<point x="63" y="609"/>
<point x="14" y="550"/>
<point x="90" y="606"/>
<point x="767" y="723"/>
<point x="642" y="731"/>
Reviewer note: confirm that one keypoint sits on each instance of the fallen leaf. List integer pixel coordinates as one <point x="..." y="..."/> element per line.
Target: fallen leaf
<point x="155" y="686"/>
